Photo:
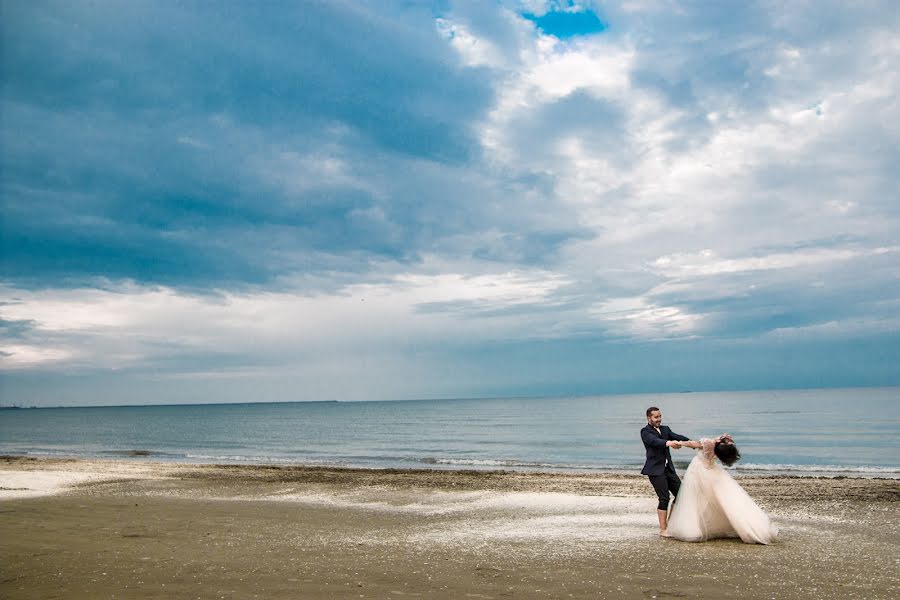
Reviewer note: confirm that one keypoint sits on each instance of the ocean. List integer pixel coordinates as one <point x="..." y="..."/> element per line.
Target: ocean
<point x="850" y="432"/>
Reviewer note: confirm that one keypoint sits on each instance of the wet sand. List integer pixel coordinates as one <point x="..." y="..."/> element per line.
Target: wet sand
<point x="72" y="528"/>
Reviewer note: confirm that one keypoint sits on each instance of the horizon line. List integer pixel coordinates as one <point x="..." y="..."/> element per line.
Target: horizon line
<point x="452" y="399"/>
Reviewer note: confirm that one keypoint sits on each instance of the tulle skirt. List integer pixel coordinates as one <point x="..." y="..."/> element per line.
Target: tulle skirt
<point x="711" y="504"/>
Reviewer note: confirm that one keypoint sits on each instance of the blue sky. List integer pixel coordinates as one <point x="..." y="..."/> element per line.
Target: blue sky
<point x="369" y="200"/>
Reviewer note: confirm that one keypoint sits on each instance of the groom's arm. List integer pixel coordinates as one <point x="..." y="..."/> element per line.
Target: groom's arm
<point x="655" y="442"/>
<point x="678" y="437"/>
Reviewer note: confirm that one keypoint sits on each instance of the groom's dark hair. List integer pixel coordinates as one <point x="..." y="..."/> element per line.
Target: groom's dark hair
<point x="650" y="410"/>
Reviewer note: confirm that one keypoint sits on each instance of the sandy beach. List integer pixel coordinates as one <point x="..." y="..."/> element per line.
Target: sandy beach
<point x="79" y="528"/>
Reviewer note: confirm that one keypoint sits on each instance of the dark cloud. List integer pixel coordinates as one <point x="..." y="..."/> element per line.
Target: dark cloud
<point x="15" y="329"/>
<point x="266" y="65"/>
<point x="135" y="136"/>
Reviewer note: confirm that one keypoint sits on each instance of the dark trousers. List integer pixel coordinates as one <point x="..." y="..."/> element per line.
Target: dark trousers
<point x="663" y="484"/>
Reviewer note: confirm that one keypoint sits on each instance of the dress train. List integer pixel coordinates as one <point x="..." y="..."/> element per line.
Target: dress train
<point x="711" y="504"/>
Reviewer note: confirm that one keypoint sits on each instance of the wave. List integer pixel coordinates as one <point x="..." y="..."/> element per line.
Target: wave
<point x="47" y="453"/>
<point x="749" y="468"/>
<point x="254" y="459"/>
<point x="137" y="453"/>
<point x="889" y="472"/>
<point x="438" y="462"/>
<point x="522" y="464"/>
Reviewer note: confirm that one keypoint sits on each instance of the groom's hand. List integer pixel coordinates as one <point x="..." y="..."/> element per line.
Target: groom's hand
<point x="673" y="444"/>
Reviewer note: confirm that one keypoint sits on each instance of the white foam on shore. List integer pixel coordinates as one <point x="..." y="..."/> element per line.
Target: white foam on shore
<point x="431" y="503"/>
<point x="450" y="502"/>
<point x="559" y="530"/>
<point x="15" y="484"/>
<point x="540" y="520"/>
<point x="31" y="484"/>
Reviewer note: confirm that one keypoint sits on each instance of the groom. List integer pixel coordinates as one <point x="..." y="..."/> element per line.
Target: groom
<point x="657" y="440"/>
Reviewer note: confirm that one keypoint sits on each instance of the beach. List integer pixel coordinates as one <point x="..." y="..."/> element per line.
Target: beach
<point x="140" y="529"/>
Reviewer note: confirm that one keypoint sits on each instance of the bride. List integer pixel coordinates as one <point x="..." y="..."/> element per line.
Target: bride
<point x="711" y="504"/>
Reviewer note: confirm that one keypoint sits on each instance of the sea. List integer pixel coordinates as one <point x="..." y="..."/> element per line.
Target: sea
<point x="819" y="432"/>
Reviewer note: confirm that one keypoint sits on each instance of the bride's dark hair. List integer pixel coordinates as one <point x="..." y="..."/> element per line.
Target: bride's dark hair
<point x="727" y="453"/>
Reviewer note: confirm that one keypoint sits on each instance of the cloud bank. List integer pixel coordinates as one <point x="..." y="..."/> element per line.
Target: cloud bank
<point x="347" y="200"/>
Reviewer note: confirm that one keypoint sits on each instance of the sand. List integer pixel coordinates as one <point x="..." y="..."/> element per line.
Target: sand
<point x="134" y="529"/>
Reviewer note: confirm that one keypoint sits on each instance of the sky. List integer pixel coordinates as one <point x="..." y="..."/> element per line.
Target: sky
<point x="354" y="200"/>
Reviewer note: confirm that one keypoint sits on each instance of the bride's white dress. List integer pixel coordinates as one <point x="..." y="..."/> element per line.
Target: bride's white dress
<point x="711" y="504"/>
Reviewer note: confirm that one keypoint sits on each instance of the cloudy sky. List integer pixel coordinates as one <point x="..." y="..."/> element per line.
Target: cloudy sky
<point x="229" y="201"/>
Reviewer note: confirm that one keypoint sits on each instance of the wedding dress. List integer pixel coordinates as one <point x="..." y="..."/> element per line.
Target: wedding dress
<point x="711" y="504"/>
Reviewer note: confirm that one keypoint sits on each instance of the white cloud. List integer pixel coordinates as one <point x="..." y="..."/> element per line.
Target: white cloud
<point x="502" y="289"/>
<point x="25" y="356"/>
<point x="559" y="70"/>
<point x="642" y="319"/>
<point x="473" y="50"/>
<point x="549" y="71"/>
<point x="708" y="263"/>
<point x="136" y="326"/>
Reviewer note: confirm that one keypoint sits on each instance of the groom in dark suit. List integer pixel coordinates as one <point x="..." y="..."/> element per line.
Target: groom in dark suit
<point x="658" y="439"/>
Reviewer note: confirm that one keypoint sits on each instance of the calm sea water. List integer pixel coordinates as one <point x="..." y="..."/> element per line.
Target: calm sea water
<point x="854" y="432"/>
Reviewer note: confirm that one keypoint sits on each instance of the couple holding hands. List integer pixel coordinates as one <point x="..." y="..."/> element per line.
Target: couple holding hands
<point x="710" y="503"/>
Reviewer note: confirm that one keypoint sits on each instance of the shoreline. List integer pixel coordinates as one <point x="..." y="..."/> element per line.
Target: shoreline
<point x="76" y="472"/>
<point x="141" y="529"/>
<point x="139" y="457"/>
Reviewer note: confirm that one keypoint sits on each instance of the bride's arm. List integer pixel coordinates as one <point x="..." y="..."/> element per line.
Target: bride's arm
<point x="698" y="445"/>
<point x="709" y="443"/>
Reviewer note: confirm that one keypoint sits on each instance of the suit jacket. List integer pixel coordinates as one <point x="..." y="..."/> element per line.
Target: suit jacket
<point x="657" y="451"/>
